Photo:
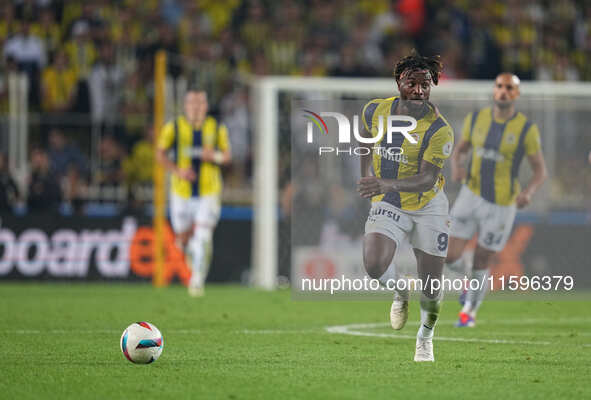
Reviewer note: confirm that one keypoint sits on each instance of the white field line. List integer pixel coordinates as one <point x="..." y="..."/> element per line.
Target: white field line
<point x="361" y="330"/>
<point x="355" y="330"/>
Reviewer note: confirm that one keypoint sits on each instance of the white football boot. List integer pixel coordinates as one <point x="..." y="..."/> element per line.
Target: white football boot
<point x="398" y="312"/>
<point x="424" y="350"/>
<point x="196" y="291"/>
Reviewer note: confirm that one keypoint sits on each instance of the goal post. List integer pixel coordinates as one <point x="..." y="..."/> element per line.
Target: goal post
<point x="547" y="100"/>
<point x="265" y="190"/>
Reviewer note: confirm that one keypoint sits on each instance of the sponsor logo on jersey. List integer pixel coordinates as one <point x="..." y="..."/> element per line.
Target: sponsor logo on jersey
<point x="382" y="211"/>
<point x="489" y="154"/>
<point x="391" y="156"/>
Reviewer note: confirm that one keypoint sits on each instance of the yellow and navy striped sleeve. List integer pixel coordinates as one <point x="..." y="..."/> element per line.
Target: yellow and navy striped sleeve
<point x="368" y="111"/>
<point x="532" y="140"/>
<point x="223" y="143"/>
<point x="467" y="128"/>
<point x="166" y="137"/>
<point x="440" y="146"/>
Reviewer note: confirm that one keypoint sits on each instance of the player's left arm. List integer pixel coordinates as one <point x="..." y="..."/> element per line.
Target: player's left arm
<point x="439" y="149"/>
<point x="222" y="156"/>
<point x="535" y="157"/>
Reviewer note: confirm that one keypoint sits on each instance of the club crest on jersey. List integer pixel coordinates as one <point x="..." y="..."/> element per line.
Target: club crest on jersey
<point x="510" y="138"/>
<point x="446" y="150"/>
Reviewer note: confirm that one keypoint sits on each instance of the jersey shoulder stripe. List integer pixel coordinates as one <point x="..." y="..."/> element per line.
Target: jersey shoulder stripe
<point x="383" y="107"/>
<point x="475" y="116"/>
<point x="433" y="128"/>
<point x="368" y="112"/>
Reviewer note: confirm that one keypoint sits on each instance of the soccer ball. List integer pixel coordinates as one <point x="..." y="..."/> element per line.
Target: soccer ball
<point x="141" y="343"/>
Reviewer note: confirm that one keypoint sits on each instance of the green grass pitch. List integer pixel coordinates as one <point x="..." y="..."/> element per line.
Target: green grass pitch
<point x="62" y="341"/>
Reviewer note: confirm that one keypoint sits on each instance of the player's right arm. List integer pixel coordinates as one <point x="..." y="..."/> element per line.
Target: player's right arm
<point x="460" y="153"/>
<point x="165" y="140"/>
<point x="533" y="150"/>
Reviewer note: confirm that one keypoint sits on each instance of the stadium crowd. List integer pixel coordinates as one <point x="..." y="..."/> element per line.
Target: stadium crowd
<point x="88" y="63"/>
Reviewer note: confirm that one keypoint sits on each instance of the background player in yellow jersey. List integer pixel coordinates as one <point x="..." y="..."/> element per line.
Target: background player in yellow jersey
<point x="499" y="137"/>
<point x="198" y="145"/>
<point x="408" y="202"/>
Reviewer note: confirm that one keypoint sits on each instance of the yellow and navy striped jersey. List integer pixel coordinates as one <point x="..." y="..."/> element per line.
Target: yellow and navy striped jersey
<point x="434" y="144"/>
<point x="498" y="148"/>
<point x="186" y="142"/>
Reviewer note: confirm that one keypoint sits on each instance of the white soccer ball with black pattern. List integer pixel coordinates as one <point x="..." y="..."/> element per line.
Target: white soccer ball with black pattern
<point x="142" y="343"/>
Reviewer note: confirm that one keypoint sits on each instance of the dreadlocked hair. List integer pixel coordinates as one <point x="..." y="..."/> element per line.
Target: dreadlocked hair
<point x="416" y="61"/>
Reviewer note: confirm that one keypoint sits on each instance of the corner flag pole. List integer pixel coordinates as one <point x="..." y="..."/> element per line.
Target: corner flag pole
<point x="158" y="175"/>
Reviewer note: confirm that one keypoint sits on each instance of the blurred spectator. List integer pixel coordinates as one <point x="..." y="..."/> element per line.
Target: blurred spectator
<point x="30" y="55"/>
<point x="86" y="19"/>
<point x="59" y="84"/>
<point x="110" y="172"/>
<point x="255" y="29"/>
<point x="44" y="188"/>
<point x="235" y="115"/>
<point x="74" y="188"/>
<point x="282" y="51"/>
<point x="482" y="56"/>
<point x="26" y="10"/>
<point x="82" y="53"/>
<point x="64" y="155"/>
<point x="350" y="65"/>
<point x="106" y="89"/>
<point x="27" y="49"/>
<point x="9" y="193"/>
<point x="413" y="14"/>
<point x="8" y="23"/>
<point x="48" y="31"/>
<point x="138" y="165"/>
<point x="384" y="24"/>
<point x="136" y="104"/>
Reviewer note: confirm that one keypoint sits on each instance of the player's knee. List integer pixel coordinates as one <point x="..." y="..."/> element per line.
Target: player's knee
<point x="452" y="257"/>
<point x="482" y="258"/>
<point x="378" y="251"/>
<point x="454" y="251"/>
<point x="375" y="263"/>
<point x="184" y="237"/>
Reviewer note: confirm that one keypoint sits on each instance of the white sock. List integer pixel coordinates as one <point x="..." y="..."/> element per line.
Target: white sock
<point x="429" y="315"/>
<point x="458" y="266"/>
<point x="200" y="249"/>
<point x="475" y="297"/>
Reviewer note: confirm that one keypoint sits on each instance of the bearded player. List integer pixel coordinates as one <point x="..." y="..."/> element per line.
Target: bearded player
<point x="199" y="146"/>
<point x="406" y="190"/>
<point x="499" y="138"/>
